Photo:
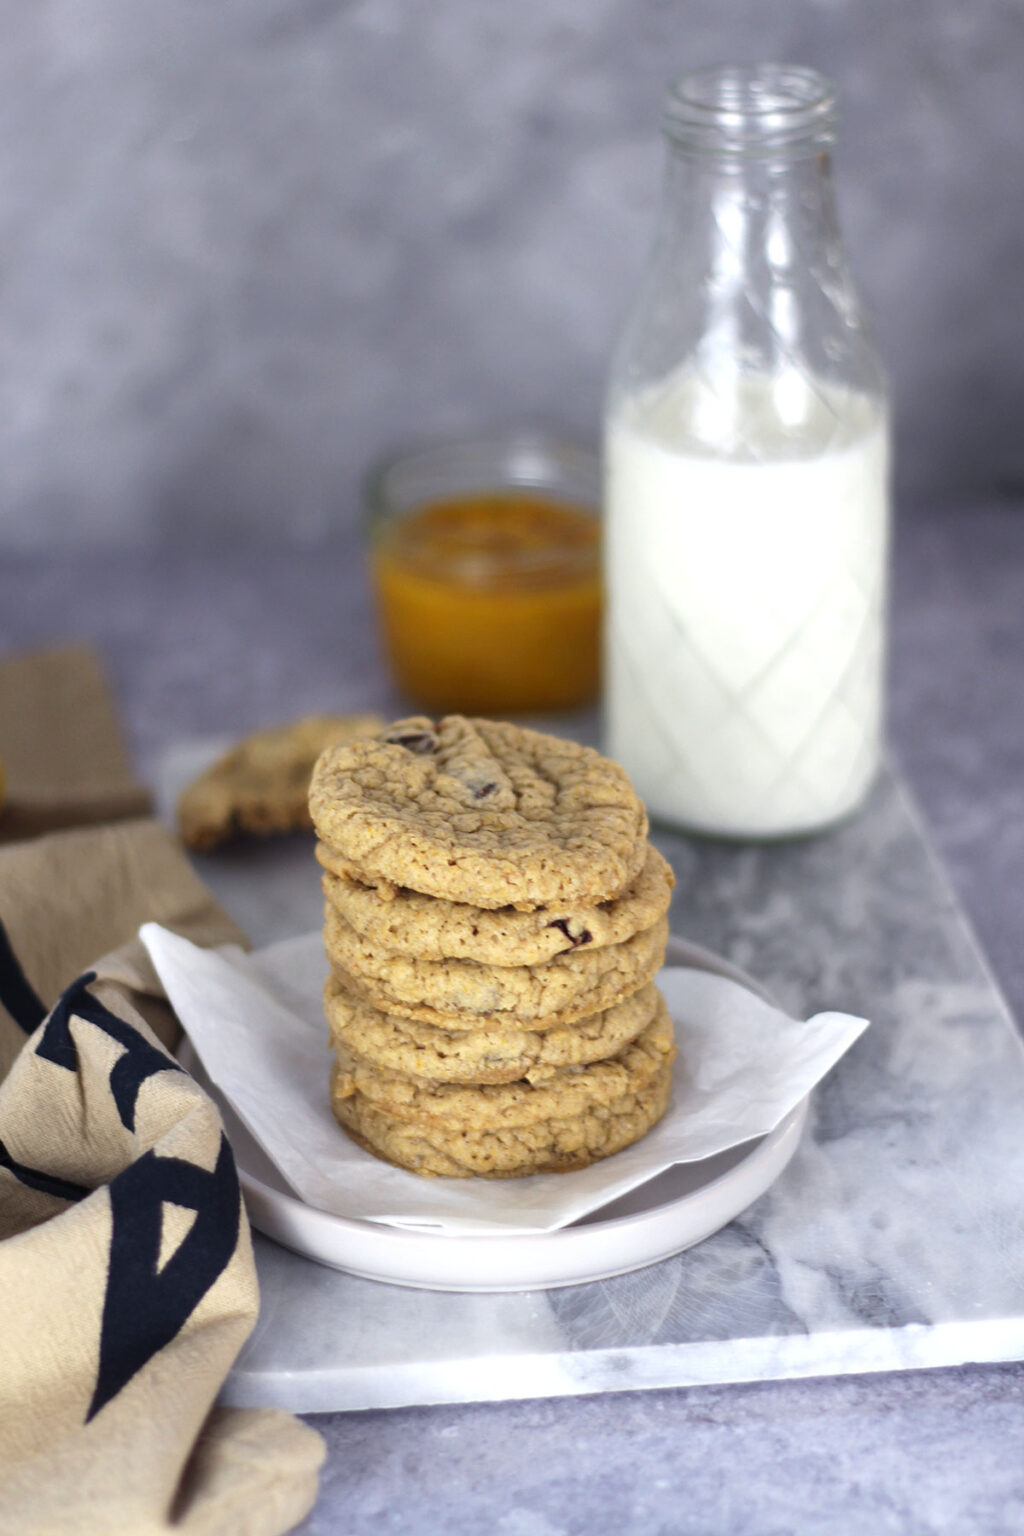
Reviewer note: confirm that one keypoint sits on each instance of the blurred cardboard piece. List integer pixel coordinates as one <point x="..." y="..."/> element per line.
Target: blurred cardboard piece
<point x="64" y="756"/>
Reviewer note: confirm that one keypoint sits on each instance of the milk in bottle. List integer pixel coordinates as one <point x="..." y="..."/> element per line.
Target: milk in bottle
<point x="746" y="482"/>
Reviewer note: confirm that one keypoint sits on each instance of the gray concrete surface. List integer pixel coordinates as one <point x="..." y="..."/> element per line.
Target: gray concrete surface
<point x="245" y="247"/>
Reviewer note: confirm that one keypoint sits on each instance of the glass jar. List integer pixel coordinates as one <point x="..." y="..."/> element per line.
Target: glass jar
<point x="746" y="479"/>
<point x="486" y="566"/>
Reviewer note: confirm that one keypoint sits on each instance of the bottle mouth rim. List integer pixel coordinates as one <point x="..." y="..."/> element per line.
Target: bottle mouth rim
<point x="751" y="109"/>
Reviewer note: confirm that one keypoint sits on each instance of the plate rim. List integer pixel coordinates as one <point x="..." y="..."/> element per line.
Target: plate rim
<point x="761" y="1148"/>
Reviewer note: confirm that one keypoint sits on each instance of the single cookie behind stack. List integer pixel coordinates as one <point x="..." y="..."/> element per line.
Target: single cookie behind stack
<point x="261" y="785"/>
<point x="494" y="919"/>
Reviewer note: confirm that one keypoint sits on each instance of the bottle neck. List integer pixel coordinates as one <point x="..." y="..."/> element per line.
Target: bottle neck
<point x="748" y="300"/>
<point x="760" y="223"/>
<point x="754" y="245"/>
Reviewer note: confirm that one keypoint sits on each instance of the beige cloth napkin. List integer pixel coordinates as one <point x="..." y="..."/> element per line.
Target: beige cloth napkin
<point x="61" y="746"/>
<point x="127" y="1282"/>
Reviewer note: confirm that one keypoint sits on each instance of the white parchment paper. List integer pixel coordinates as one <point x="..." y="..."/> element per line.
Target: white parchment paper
<point x="256" y="1022"/>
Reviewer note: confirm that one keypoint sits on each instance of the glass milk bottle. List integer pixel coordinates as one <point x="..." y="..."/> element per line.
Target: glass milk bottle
<point x="746" y="479"/>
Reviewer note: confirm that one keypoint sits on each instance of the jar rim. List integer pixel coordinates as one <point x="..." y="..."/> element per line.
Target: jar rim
<point x="522" y="459"/>
<point x="751" y="110"/>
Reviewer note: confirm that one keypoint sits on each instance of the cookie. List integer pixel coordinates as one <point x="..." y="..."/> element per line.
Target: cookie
<point x="562" y="1144"/>
<point x="261" y="785"/>
<point x="495" y="1055"/>
<point x="411" y="924"/>
<point x="568" y="1092"/>
<point x="461" y="994"/>
<point x="481" y="812"/>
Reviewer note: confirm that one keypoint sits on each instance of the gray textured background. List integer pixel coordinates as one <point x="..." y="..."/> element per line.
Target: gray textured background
<point x="246" y="246"/>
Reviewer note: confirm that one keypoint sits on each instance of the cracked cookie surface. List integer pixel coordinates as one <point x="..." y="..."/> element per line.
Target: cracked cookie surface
<point x="499" y="1106"/>
<point x="462" y="994"/>
<point x="261" y="786"/>
<point x="560" y="1144"/>
<point x="481" y="812"/>
<point x="498" y="1054"/>
<point x="405" y="922"/>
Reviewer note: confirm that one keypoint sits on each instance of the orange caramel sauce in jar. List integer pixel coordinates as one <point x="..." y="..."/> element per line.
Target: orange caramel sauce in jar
<point x="490" y="600"/>
<point x="486" y="566"/>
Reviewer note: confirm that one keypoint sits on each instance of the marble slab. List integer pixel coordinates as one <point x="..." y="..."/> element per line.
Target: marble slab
<point x="894" y="1239"/>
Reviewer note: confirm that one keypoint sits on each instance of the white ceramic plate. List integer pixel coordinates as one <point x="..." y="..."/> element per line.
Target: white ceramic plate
<point x="675" y="1210"/>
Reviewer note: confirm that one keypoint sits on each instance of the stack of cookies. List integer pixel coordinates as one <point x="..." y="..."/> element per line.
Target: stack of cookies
<point x="494" y="920"/>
